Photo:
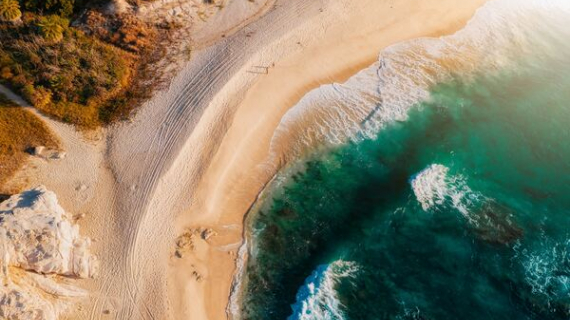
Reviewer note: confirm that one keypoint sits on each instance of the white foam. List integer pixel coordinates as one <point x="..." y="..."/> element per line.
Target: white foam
<point x="233" y="307"/>
<point x="547" y="271"/>
<point x="500" y="32"/>
<point x="317" y="299"/>
<point x="434" y="187"/>
<point x="430" y="186"/>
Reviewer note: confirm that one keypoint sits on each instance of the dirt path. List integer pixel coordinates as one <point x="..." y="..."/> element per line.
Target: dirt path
<point x="13" y="96"/>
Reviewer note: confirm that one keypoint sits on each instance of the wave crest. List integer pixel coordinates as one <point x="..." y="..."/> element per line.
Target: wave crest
<point x="317" y="299"/>
<point x="433" y="186"/>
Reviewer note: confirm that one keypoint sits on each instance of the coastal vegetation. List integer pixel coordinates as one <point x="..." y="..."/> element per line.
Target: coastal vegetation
<point x="84" y="73"/>
<point x="20" y="130"/>
<point x="10" y="10"/>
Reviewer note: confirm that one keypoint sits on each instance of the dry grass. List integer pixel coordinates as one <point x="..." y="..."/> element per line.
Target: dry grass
<point x="19" y="131"/>
<point x="101" y="69"/>
<point x="77" y="80"/>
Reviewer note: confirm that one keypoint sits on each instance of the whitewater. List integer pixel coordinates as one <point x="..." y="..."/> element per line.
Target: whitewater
<point x="499" y="33"/>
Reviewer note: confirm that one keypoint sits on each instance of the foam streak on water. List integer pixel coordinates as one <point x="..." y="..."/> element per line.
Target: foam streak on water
<point x="547" y="271"/>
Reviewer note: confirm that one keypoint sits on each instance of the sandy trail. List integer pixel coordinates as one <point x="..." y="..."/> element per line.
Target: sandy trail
<point x="196" y="154"/>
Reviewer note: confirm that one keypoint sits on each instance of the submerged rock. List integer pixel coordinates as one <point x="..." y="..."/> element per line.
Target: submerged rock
<point x="495" y="224"/>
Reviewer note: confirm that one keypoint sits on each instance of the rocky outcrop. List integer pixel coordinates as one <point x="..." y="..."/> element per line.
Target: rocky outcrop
<point x="38" y="236"/>
<point x="22" y="303"/>
<point x="47" y="154"/>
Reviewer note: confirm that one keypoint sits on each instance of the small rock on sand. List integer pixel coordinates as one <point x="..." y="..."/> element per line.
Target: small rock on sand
<point x="58" y="155"/>
<point x="37" y="151"/>
<point x="208" y="233"/>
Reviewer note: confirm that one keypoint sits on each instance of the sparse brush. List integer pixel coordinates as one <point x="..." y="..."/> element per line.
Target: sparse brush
<point x="89" y="74"/>
<point x="70" y="80"/>
<point x="19" y="130"/>
<point x="10" y="10"/>
<point x="125" y="31"/>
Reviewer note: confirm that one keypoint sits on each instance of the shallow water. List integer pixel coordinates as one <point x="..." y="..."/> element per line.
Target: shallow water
<point x="448" y="203"/>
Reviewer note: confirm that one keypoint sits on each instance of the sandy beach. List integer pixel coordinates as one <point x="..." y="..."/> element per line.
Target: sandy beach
<point x="195" y="156"/>
<point x="240" y="168"/>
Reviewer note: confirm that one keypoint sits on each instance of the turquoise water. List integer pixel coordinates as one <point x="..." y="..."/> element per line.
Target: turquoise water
<point x="460" y="211"/>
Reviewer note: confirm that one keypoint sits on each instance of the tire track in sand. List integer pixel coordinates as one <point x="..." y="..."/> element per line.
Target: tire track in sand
<point x="177" y="122"/>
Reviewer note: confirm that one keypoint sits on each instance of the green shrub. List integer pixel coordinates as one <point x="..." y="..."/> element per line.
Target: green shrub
<point x="52" y="28"/>
<point x="10" y="10"/>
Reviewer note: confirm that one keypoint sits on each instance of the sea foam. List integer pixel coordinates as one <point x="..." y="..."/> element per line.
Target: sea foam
<point x="434" y="186"/>
<point x="547" y="270"/>
<point x="500" y="32"/>
<point x="317" y="299"/>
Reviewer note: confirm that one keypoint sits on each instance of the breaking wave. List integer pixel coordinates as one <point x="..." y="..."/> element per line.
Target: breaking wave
<point x="384" y="92"/>
<point x="317" y="299"/>
<point x="434" y="186"/>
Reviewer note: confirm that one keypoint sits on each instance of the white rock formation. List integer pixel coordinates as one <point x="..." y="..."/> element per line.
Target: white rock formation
<point x="38" y="236"/>
<point x="17" y="303"/>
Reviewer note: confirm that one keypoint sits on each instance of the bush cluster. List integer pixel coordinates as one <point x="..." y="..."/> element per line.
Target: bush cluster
<point x="126" y="31"/>
<point x="81" y="75"/>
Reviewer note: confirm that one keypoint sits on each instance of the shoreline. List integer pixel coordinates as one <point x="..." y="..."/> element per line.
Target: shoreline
<point x="235" y="296"/>
<point x="233" y="161"/>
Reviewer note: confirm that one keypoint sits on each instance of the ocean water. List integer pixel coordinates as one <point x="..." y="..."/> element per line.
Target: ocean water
<point x="438" y="185"/>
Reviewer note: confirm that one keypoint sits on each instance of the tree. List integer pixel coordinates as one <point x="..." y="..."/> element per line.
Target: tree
<point x="10" y="10"/>
<point x="52" y="27"/>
